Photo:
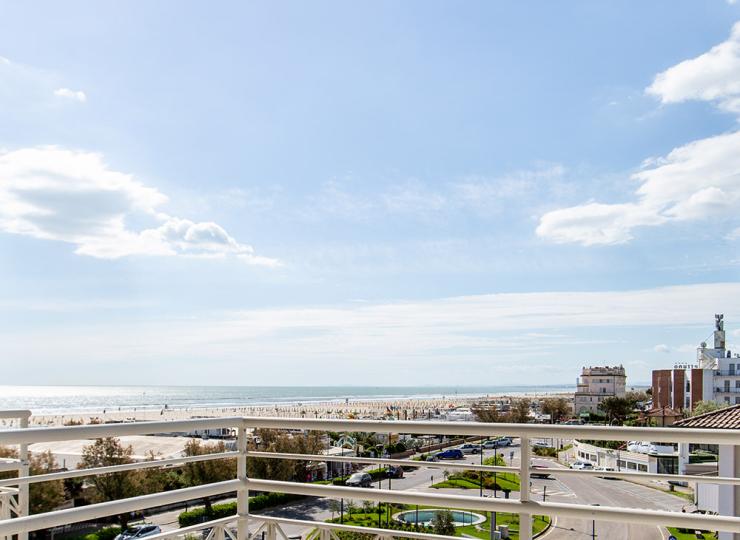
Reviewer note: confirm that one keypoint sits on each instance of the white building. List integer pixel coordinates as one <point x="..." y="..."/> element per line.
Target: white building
<point x="596" y="384"/>
<point x="714" y="377"/>
<point x="719" y="499"/>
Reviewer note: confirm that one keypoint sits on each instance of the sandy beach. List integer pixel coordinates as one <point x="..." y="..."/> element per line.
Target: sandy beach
<point x="399" y="409"/>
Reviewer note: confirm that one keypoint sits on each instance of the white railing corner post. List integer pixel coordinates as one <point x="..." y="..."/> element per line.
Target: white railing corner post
<point x="23" y="470"/>
<point x="242" y="494"/>
<point x="525" y="518"/>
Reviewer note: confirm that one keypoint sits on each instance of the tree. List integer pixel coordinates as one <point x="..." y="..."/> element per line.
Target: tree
<point x="197" y="473"/>
<point x="636" y="397"/>
<point x="442" y="523"/>
<point x="557" y="408"/>
<point x="159" y="479"/>
<point x="110" y="487"/>
<point x="616" y="409"/>
<point x="703" y="407"/>
<point x="283" y="469"/>
<point x="485" y="412"/>
<point x="519" y="412"/>
<point x="45" y="496"/>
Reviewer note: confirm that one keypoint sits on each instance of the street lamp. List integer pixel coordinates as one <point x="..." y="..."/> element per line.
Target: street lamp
<point x="593" y="525"/>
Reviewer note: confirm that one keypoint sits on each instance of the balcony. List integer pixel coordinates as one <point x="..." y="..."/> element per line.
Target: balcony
<point x="727" y="390"/>
<point x="244" y="525"/>
<point x="722" y="373"/>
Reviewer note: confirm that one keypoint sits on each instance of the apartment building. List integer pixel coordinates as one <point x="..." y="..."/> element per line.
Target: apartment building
<point x="715" y="376"/>
<point x="596" y="384"/>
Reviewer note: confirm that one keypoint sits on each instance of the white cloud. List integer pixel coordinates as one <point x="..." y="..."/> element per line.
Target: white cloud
<point x="713" y="76"/>
<point x="697" y="181"/>
<point x="413" y="197"/>
<point x="420" y="339"/>
<point x="77" y="95"/>
<point x="71" y="196"/>
<point x="662" y="348"/>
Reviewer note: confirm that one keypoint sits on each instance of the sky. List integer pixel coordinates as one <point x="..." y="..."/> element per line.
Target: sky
<point x="367" y="193"/>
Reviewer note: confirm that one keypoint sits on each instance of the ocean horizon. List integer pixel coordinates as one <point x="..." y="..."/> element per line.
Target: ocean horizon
<point x="63" y="399"/>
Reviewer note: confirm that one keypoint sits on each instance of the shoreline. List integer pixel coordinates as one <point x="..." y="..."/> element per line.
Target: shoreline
<point x="405" y="408"/>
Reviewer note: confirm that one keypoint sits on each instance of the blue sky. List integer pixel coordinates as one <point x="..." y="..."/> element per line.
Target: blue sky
<point x="378" y="193"/>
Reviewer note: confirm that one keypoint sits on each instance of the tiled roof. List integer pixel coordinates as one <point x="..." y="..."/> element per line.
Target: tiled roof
<point x="727" y="418"/>
<point x="663" y="411"/>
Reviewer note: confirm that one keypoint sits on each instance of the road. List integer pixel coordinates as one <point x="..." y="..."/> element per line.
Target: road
<point x="565" y="489"/>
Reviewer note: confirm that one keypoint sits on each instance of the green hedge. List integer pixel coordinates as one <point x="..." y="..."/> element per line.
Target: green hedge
<point x="106" y="533"/>
<point x="258" y="502"/>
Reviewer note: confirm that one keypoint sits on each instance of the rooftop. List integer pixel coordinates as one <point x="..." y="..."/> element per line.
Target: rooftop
<point x="727" y="418"/>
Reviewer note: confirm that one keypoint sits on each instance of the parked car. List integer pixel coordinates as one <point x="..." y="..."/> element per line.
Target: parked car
<point x="139" y="531"/>
<point x="360" y="479"/>
<point x="452" y="453"/>
<point x="541" y="444"/>
<point x="497" y="443"/>
<point x="582" y="466"/>
<point x="469" y="448"/>
<point x="394" y="471"/>
<point x="536" y="474"/>
<point x="606" y="470"/>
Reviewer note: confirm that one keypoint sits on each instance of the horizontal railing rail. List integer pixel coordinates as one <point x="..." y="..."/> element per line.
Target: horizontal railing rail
<point x="136" y="465"/>
<point x="601" y="433"/>
<point x="523" y="506"/>
<point x="450" y="465"/>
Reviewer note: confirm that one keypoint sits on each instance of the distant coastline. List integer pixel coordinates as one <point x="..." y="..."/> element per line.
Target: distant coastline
<point x="79" y="400"/>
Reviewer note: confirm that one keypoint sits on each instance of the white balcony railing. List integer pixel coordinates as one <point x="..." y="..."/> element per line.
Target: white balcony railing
<point x="20" y="523"/>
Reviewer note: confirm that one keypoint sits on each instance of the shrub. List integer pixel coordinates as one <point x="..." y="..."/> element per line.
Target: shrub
<point x="258" y="502"/>
<point x="106" y="533"/>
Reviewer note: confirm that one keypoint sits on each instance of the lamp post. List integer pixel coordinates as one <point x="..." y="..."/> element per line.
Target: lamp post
<point x="593" y="525"/>
<point x="480" y="473"/>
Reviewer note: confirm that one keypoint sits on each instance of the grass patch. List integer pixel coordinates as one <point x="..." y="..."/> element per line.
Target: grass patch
<point x="503" y="481"/>
<point x="378" y="518"/>
<point x="688" y="534"/>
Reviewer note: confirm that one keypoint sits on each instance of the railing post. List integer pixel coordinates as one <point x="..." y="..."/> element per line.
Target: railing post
<point x="23" y="470"/>
<point x="242" y="494"/>
<point x="525" y="518"/>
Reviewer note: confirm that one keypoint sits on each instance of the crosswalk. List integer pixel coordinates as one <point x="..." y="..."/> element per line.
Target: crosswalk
<point x="552" y="489"/>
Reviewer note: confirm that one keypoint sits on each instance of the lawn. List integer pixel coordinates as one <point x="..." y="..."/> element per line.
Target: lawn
<point x="483" y="531"/>
<point x="690" y="535"/>
<point x="508" y="481"/>
<point x="362" y="518"/>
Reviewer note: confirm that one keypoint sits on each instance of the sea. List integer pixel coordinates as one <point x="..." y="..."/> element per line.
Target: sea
<point x="85" y="399"/>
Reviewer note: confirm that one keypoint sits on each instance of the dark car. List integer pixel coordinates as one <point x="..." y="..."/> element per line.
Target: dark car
<point x="452" y="453"/>
<point x="360" y="479"/>
<point x="394" y="471"/>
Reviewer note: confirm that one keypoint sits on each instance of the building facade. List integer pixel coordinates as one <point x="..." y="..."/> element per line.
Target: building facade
<point x="714" y="377"/>
<point x="596" y="384"/>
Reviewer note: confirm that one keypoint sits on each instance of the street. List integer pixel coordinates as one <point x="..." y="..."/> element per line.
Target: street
<point x="564" y="489"/>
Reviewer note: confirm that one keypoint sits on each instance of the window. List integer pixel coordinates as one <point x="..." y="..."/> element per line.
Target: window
<point x="622" y="464"/>
<point x="737" y="383"/>
<point x="737" y="401"/>
<point x="727" y="399"/>
<point x="632" y="465"/>
<point x="641" y="467"/>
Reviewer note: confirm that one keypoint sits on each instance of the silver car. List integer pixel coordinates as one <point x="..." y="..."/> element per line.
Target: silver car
<point x="139" y="531"/>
